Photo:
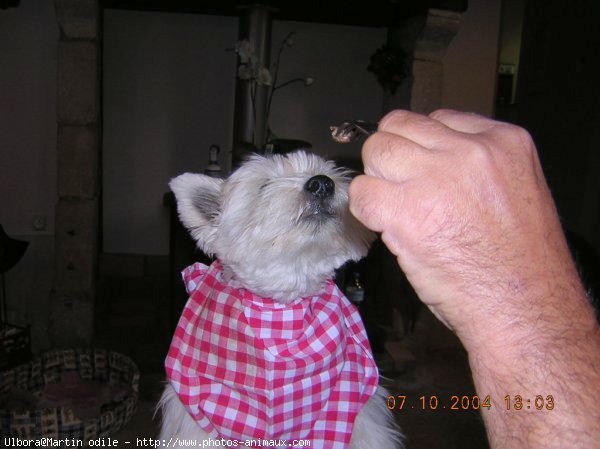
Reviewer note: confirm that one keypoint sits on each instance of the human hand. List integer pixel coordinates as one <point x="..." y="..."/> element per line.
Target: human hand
<point x="461" y="200"/>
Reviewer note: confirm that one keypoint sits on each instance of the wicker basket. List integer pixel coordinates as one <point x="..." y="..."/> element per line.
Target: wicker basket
<point x="91" y="365"/>
<point x="15" y="345"/>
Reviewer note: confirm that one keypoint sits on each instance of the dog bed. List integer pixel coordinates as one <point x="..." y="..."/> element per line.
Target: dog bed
<point x="78" y="393"/>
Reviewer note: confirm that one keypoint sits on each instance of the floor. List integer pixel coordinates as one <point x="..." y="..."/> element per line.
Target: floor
<point x="431" y="418"/>
<point x="436" y="368"/>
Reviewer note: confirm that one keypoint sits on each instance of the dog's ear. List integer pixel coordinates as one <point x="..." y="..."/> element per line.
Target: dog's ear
<point x="199" y="206"/>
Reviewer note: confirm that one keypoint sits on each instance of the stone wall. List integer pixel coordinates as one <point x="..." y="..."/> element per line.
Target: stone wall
<point x="425" y="39"/>
<point x="72" y="297"/>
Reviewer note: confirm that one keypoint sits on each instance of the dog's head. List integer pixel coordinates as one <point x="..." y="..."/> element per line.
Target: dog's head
<point x="280" y="224"/>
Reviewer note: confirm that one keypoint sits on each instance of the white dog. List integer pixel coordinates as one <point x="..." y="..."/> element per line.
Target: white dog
<point x="267" y="347"/>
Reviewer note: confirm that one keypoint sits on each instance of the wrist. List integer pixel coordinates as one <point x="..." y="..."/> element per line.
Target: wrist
<point x="536" y="346"/>
<point x="523" y="316"/>
<point x="553" y="362"/>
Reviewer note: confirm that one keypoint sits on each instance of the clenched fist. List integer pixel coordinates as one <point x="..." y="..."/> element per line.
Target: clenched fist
<point x="461" y="200"/>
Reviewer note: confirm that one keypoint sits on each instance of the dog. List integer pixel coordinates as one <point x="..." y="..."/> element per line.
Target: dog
<point x="267" y="348"/>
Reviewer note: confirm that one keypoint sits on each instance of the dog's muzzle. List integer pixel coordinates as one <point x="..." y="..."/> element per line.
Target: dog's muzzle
<point x="320" y="190"/>
<point x="320" y="186"/>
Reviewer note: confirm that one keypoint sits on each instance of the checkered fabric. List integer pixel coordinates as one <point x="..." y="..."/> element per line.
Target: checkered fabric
<point x="248" y="367"/>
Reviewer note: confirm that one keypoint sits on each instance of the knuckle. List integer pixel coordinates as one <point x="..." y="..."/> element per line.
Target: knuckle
<point x="514" y="133"/>
<point x="439" y="114"/>
<point x="395" y="115"/>
<point x="513" y="142"/>
<point x="481" y="154"/>
<point x="524" y="137"/>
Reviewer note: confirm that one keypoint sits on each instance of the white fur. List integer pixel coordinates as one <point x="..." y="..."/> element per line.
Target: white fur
<point x="262" y="231"/>
<point x="275" y="239"/>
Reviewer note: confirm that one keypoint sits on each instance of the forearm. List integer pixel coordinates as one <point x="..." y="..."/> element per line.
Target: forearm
<point x="462" y="201"/>
<point x="550" y="357"/>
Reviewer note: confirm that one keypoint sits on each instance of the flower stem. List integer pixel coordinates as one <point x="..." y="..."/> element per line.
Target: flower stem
<point x="276" y="72"/>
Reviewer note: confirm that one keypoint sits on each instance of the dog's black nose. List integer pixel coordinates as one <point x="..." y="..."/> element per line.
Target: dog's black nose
<point x="320" y="186"/>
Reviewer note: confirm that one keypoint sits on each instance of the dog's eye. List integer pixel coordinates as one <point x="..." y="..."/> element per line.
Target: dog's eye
<point x="261" y="188"/>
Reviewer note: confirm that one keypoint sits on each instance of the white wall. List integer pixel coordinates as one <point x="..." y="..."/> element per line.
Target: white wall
<point x="28" y="43"/>
<point x="169" y="94"/>
<point x="28" y="37"/>
<point x="336" y="57"/>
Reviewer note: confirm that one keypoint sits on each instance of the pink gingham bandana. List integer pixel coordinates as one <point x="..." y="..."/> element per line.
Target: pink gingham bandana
<point x="247" y="367"/>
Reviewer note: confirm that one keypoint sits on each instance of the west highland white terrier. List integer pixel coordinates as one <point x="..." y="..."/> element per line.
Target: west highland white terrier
<point x="268" y="350"/>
